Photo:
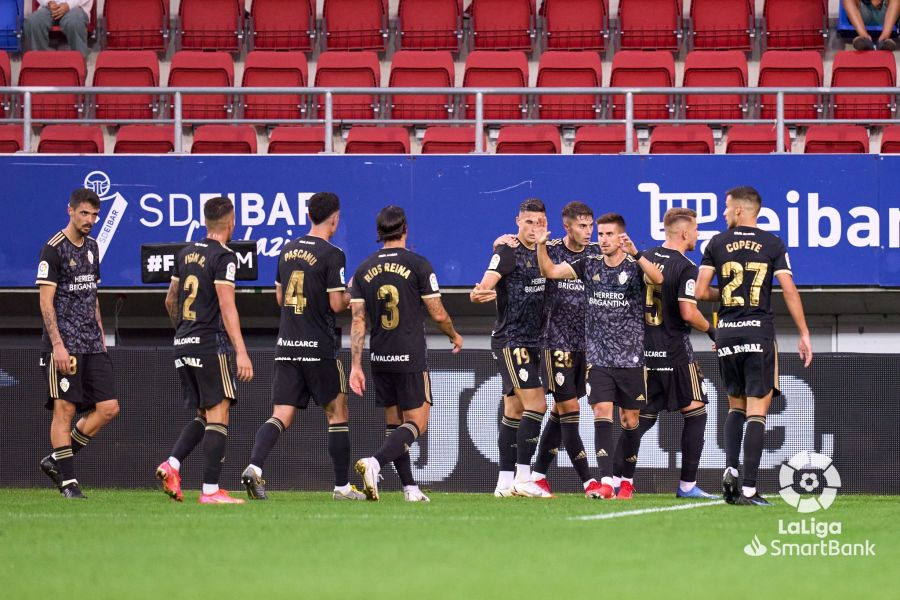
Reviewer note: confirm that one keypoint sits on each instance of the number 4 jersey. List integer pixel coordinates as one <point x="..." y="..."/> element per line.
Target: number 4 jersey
<point x="393" y="283"/>
<point x="309" y="268"/>
<point x="745" y="259"/>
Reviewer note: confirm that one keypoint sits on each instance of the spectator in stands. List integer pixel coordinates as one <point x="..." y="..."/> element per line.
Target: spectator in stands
<point x="862" y="13"/>
<point x="72" y="16"/>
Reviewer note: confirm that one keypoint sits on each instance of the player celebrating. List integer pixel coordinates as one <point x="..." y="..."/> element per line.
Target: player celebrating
<point x="393" y="288"/>
<point x="744" y="259"/>
<point x="79" y="371"/>
<point x="309" y="288"/>
<point x="614" y="283"/>
<point x="201" y="306"/>
<point x="515" y="340"/>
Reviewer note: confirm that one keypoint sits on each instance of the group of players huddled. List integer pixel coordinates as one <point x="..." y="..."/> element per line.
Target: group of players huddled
<point x="612" y="323"/>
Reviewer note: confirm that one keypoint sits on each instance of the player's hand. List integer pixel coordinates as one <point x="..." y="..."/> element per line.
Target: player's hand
<point x="541" y="234"/>
<point x="61" y="360"/>
<point x="457" y="341"/>
<point x="507" y="239"/>
<point x="805" y="349"/>
<point x="627" y="245"/>
<point x="480" y="295"/>
<point x="357" y="381"/>
<point x="711" y="332"/>
<point x="244" y="367"/>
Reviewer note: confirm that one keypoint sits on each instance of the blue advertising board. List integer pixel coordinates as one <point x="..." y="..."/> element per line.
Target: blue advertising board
<point x="839" y="215"/>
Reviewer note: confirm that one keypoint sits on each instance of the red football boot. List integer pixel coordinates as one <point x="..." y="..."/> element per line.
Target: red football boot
<point x="626" y="491"/>
<point x="544" y="485"/>
<point x="594" y="490"/>
<point x="220" y="497"/>
<point x="171" y="481"/>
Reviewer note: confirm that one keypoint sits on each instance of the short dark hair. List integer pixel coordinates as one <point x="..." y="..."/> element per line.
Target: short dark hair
<point x="215" y="209"/>
<point x="390" y="223"/>
<point x="532" y="205"/>
<point x="84" y="195"/>
<point x="610" y="217"/>
<point x="322" y="205"/>
<point x="746" y="194"/>
<point x="576" y="209"/>
<point x="676" y="214"/>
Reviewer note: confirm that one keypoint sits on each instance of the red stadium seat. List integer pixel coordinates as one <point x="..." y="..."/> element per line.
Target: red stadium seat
<point x="723" y="24"/>
<point x="863" y="69"/>
<point x="575" y="24"/>
<point x="212" y="24"/>
<point x="122" y="68"/>
<point x="274" y="69"/>
<point x="890" y="140"/>
<point x="297" y="140"/>
<point x="602" y="139"/>
<point x="779" y="68"/>
<point x="569" y="69"/>
<point x="203" y="69"/>
<point x="283" y="24"/>
<point x="10" y="139"/>
<point x="449" y="140"/>
<point x="224" y="139"/>
<point x="71" y="139"/>
<point x="724" y="68"/>
<point x="5" y="81"/>
<point x="836" y="139"/>
<point x="486" y="68"/>
<point x="377" y="140"/>
<point x="631" y="68"/>
<point x="795" y="25"/>
<point x="429" y="24"/>
<point x="650" y="24"/>
<point x="755" y="139"/>
<point x="53" y="68"/>
<point x="145" y="139"/>
<point x="137" y="24"/>
<point x="682" y="139"/>
<point x="355" y="24"/>
<point x="412" y="68"/>
<point x="528" y="139"/>
<point x="349" y="69"/>
<point x="502" y="24"/>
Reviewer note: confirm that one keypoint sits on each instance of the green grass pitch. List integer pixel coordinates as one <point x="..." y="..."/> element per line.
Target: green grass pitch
<point x="139" y="544"/>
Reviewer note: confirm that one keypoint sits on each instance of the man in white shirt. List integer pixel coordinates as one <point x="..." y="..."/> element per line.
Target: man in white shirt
<point x="72" y="16"/>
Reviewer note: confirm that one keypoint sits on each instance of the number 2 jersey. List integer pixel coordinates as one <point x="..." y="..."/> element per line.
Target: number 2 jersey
<point x="745" y="259"/>
<point x="309" y="268"/>
<point x="199" y="267"/>
<point x="393" y="283"/>
<point x="667" y="337"/>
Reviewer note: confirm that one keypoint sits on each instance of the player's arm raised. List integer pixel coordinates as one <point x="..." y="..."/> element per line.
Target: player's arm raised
<point x="48" y="313"/>
<point x="651" y="271"/>
<point x="442" y="319"/>
<point x="225" y="293"/>
<point x="550" y="269"/>
<point x="357" y="340"/>
<point x="795" y="307"/>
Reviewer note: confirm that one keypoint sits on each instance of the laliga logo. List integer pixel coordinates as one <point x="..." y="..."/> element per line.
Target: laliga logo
<point x="99" y="183"/>
<point x="795" y="471"/>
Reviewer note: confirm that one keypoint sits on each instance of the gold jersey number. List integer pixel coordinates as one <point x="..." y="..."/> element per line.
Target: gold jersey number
<point x="654" y="300"/>
<point x="191" y="286"/>
<point x="736" y="270"/>
<point x="391" y="297"/>
<point x="293" y="295"/>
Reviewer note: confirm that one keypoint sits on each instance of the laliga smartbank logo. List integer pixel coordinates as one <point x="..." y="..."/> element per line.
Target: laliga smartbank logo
<point x="809" y="482"/>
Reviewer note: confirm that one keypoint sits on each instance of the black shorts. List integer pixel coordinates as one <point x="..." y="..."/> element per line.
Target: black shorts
<point x="206" y="379"/>
<point x="566" y="374"/>
<point x="749" y="367"/>
<point x="296" y="381"/>
<point x="520" y="368"/>
<point x="406" y="390"/>
<point x="626" y="388"/>
<point x="674" y="388"/>
<point x="92" y="381"/>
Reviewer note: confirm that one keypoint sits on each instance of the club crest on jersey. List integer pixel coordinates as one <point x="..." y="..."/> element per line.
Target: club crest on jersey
<point x="43" y="270"/>
<point x="689" y="287"/>
<point x="90" y="255"/>
<point x="64" y="384"/>
<point x="434" y="283"/>
<point x="495" y="262"/>
<point x="560" y="378"/>
<point x="623" y="277"/>
<point x="230" y="271"/>
<point x="523" y="374"/>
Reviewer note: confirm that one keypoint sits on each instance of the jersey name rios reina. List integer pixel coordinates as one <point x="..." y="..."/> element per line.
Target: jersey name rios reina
<point x="75" y="272"/>
<point x="667" y="337"/>
<point x="393" y="283"/>
<point x="745" y="260"/>
<point x="520" y="297"/>
<point x="199" y="268"/>
<point x="565" y="302"/>
<point x="309" y="269"/>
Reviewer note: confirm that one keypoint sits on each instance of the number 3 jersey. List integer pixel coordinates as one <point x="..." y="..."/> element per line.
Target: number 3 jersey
<point x="393" y="283"/>
<point x="309" y="268"/>
<point x="667" y="337"/>
<point x="745" y="259"/>
<point x="198" y="269"/>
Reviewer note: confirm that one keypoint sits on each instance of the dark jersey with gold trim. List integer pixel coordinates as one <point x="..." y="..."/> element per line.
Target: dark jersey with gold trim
<point x="745" y="259"/>
<point x="309" y="269"/>
<point x="199" y="268"/>
<point x="667" y="336"/>
<point x="565" y="301"/>
<point x="75" y="272"/>
<point x="520" y="297"/>
<point x="393" y="283"/>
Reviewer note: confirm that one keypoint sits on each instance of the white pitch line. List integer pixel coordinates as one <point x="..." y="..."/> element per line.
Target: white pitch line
<point x="644" y="511"/>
